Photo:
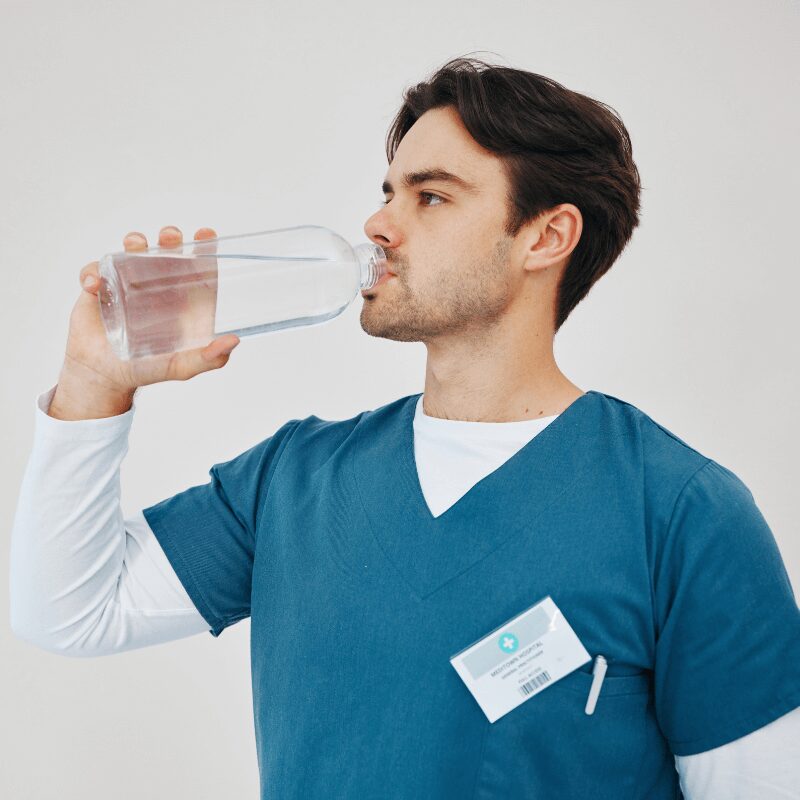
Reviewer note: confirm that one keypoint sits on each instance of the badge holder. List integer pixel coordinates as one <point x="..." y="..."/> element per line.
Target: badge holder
<point x="521" y="658"/>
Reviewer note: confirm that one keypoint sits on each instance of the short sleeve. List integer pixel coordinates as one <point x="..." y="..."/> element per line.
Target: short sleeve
<point x="208" y="532"/>
<point x="728" y="625"/>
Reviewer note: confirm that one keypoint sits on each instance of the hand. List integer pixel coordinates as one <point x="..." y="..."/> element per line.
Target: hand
<point x="89" y="352"/>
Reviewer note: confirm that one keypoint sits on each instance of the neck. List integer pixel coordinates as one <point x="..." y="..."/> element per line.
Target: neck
<point x="495" y="379"/>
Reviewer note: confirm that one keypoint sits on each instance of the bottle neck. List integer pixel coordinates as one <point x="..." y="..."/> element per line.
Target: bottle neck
<point x="372" y="262"/>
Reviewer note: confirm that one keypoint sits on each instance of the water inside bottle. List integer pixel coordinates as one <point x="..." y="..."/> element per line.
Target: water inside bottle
<point x="183" y="301"/>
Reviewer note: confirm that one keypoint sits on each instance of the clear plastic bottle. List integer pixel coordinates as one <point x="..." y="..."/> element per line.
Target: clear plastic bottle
<point x="164" y="300"/>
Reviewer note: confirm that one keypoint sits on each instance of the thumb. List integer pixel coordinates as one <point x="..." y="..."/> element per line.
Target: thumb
<point x="185" y="364"/>
<point x="216" y="353"/>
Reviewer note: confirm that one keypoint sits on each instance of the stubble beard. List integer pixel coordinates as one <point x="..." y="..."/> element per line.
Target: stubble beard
<point x="472" y="300"/>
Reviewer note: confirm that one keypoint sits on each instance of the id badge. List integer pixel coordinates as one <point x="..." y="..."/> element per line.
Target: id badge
<point x="519" y="659"/>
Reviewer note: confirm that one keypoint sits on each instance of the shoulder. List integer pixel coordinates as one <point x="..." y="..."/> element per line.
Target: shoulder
<point x="673" y="472"/>
<point x="314" y="426"/>
<point x="317" y="435"/>
<point x="656" y="440"/>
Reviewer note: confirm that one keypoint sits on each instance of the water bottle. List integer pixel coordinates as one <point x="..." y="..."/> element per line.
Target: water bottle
<point x="164" y="300"/>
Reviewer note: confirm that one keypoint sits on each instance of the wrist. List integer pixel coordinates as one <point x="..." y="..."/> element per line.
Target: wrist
<point x="81" y="397"/>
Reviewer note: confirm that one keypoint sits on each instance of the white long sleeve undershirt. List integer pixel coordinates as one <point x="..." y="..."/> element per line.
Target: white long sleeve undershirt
<point x="86" y="582"/>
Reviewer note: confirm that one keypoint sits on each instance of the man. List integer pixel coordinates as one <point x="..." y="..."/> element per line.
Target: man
<point x="376" y="555"/>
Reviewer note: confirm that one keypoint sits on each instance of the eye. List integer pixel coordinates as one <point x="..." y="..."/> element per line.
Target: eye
<point x="421" y="194"/>
<point x="431" y="194"/>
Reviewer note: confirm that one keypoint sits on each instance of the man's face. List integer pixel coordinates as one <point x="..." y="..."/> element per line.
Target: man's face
<point x="447" y="248"/>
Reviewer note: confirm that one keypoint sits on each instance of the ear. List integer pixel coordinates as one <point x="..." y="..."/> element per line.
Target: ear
<point x="553" y="236"/>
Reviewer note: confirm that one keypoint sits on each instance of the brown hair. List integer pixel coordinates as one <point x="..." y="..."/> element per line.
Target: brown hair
<point x="556" y="145"/>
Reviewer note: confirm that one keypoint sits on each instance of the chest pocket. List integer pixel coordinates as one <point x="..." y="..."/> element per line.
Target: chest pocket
<point x="580" y="681"/>
<point x="549" y="747"/>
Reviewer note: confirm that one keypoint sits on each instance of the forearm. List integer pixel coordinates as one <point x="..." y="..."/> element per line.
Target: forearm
<point x="68" y="536"/>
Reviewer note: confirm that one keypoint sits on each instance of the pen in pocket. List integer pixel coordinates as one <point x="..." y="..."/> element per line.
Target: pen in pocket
<point x="598" y="673"/>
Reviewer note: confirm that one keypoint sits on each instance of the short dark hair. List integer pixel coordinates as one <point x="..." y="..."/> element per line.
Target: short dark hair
<point x="556" y="145"/>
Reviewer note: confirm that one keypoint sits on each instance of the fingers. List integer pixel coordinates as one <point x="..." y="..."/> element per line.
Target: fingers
<point x="90" y="273"/>
<point x="169" y="236"/>
<point x="220" y="347"/>
<point x="187" y="364"/>
<point x="134" y="241"/>
<point x="205" y="249"/>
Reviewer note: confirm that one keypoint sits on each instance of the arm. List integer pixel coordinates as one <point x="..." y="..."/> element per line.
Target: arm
<point x="764" y="764"/>
<point x="75" y="585"/>
<point x="85" y="581"/>
<point x="727" y="623"/>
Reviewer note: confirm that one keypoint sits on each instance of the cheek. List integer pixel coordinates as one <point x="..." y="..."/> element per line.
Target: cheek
<point x="445" y="261"/>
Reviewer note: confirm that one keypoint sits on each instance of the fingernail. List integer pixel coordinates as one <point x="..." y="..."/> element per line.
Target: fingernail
<point x="88" y="282"/>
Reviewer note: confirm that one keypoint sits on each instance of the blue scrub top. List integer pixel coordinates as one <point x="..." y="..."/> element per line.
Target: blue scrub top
<point x="358" y="596"/>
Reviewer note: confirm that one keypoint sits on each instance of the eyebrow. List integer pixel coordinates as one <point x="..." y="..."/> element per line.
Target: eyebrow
<point x="432" y="174"/>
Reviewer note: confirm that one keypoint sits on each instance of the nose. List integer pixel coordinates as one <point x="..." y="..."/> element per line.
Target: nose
<point x="380" y="229"/>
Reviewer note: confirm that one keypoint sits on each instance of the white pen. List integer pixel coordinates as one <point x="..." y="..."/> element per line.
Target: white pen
<point x="598" y="673"/>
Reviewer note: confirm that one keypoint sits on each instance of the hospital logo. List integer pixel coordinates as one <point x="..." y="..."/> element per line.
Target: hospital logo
<point x="508" y="643"/>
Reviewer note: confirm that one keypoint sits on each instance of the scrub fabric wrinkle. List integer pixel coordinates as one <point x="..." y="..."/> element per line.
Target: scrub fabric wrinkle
<point x="358" y="596"/>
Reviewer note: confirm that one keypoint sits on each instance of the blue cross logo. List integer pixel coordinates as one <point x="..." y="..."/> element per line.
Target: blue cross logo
<point x="508" y="643"/>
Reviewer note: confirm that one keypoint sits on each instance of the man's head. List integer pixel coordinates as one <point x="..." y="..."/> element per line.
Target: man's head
<point x="547" y="199"/>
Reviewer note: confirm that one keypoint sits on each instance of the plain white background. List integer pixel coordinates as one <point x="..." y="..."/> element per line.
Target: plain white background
<point x="246" y="116"/>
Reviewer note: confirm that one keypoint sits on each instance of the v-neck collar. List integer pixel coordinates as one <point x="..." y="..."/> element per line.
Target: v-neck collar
<point x="412" y="468"/>
<point x="428" y="551"/>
